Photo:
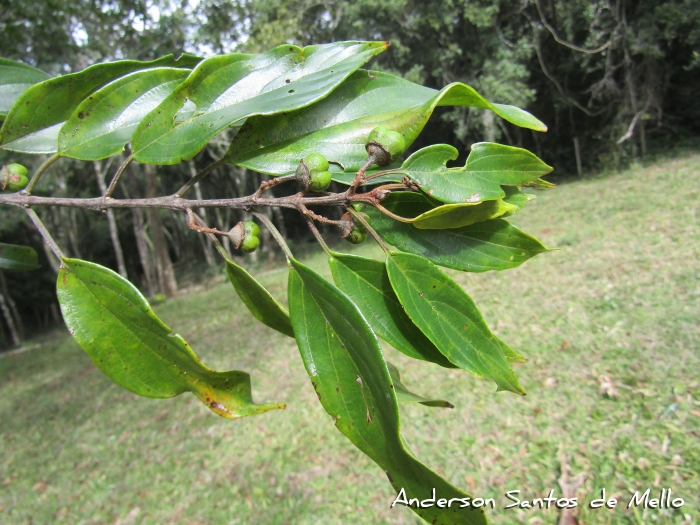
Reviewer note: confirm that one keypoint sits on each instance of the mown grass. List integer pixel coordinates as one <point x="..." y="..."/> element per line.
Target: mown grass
<point x="609" y="323"/>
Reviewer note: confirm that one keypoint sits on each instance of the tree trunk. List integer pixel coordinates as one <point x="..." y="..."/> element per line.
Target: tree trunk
<point x="10" y="322"/>
<point x="113" y="230"/>
<point x="204" y="240"/>
<point x="489" y="123"/>
<point x="577" y="151"/>
<point x="72" y="230"/>
<point x="13" y="307"/>
<point x="145" y="255"/>
<point x="164" y="266"/>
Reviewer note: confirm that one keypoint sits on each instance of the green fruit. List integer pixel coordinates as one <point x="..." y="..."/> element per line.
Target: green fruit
<point x="352" y="231"/>
<point x="18" y="169"/>
<point x="250" y="243"/>
<point x="313" y="172"/>
<point x="319" y="181"/>
<point x="356" y="236"/>
<point x="13" y="177"/>
<point x="316" y="162"/>
<point x="384" y="145"/>
<point x="251" y="228"/>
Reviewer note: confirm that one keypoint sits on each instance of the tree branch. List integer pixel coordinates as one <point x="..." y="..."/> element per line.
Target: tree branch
<point x="174" y="203"/>
<point x="564" y="42"/>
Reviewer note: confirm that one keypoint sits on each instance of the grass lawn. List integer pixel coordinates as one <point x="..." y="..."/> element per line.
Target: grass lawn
<point x="609" y="323"/>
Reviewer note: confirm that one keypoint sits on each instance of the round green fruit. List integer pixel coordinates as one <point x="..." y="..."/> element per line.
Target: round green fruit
<point x="384" y="145"/>
<point x="313" y="172"/>
<point x="250" y="243"/>
<point x="356" y="236"/>
<point x="13" y="177"/>
<point x="319" y="181"/>
<point x="316" y="162"/>
<point x="352" y="231"/>
<point x="251" y="228"/>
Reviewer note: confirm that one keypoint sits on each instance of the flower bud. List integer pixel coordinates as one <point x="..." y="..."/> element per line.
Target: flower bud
<point x="385" y="145"/>
<point x="313" y="173"/>
<point x="13" y="177"/>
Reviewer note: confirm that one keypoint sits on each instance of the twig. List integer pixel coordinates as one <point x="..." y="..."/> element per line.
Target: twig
<point x="370" y="230"/>
<point x="199" y="222"/>
<point x="38" y="173"/>
<point x="320" y="218"/>
<point x="194" y="180"/>
<point x="173" y="203"/>
<point x="317" y="234"/>
<point x="275" y="233"/>
<point x="266" y="185"/>
<point x="202" y="226"/>
<point x="360" y="176"/>
<point x="391" y="214"/>
<point x="117" y="176"/>
<point x="45" y="233"/>
<point x="565" y="43"/>
<point x="633" y="124"/>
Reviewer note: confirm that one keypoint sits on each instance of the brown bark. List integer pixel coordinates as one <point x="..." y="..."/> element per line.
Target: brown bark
<point x="113" y="230"/>
<point x="12" y="305"/>
<point x="164" y="266"/>
<point x="142" y="245"/>
<point x="16" y="341"/>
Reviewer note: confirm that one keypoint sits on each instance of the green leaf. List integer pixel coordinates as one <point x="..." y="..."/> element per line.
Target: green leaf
<point x="488" y="245"/>
<point x="516" y="198"/>
<point x="448" y="316"/>
<point x="346" y="367"/>
<point x="488" y="167"/>
<point x="33" y="123"/>
<point x="258" y="300"/>
<point x="103" y="123"/>
<point x="18" y="258"/>
<point x="366" y="283"/>
<point x="404" y="395"/>
<point x="338" y="127"/>
<point x="115" y="325"/>
<point x="15" y="79"/>
<point x="458" y="215"/>
<point x="225" y="89"/>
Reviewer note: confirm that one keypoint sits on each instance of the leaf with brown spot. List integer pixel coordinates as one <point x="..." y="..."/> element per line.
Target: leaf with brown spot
<point x="115" y="325"/>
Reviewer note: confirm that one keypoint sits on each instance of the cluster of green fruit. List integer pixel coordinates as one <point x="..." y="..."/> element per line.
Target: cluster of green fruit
<point x="383" y="147"/>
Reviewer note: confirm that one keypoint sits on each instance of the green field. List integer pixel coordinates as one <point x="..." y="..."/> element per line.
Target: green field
<point x="609" y="323"/>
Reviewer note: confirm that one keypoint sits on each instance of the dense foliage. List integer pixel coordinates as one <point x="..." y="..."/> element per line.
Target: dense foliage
<point x="596" y="72"/>
<point x="301" y="117"/>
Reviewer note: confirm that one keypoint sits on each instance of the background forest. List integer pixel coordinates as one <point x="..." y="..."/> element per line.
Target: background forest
<point x="614" y="81"/>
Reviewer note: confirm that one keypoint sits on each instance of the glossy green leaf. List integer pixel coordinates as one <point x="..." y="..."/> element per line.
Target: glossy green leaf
<point x="458" y="215"/>
<point x="103" y="123"/>
<point x="18" y="258"/>
<point x="15" y="79"/>
<point x="488" y="167"/>
<point x="516" y="198"/>
<point x="366" y="283"/>
<point x="404" y="395"/>
<point x="33" y="123"/>
<point x="115" y="325"/>
<point x="339" y="126"/>
<point x="225" y="89"/>
<point x="448" y="316"/>
<point x="346" y="367"/>
<point x="488" y="245"/>
<point x="261" y="304"/>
